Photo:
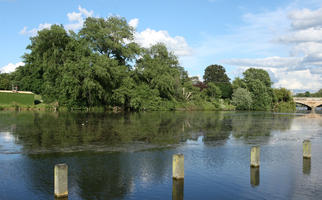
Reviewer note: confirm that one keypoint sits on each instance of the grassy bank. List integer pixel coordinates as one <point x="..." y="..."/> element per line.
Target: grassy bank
<point x="7" y="98"/>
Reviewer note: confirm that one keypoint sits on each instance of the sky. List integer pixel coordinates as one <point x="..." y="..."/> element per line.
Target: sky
<point x="282" y="37"/>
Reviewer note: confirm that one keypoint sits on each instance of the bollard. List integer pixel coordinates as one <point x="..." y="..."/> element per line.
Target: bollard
<point x="306" y="149"/>
<point x="177" y="189"/>
<point x="178" y="166"/>
<point x="254" y="176"/>
<point x="254" y="156"/>
<point x="61" y="180"/>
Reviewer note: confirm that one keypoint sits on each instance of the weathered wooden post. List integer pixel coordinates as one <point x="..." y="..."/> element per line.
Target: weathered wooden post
<point x="177" y="189"/>
<point x="178" y="166"/>
<point x="61" y="180"/>
<point x="254" y="176"/>
<point x="255" y="156"/>
<point x="306" y="149"/>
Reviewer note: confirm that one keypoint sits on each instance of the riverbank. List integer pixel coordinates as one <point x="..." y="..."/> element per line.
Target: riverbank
<point x="205" y="106"/>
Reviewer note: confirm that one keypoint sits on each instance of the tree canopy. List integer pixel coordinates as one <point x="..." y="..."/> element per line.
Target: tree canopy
<point x="101" y="65"/>
<point x="215" y="74"/>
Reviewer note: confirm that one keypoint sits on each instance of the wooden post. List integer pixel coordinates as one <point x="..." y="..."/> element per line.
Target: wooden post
<point x="254" y="156"/>
<point x="306" y="149"/>
<point x="61" y="180"/>
<point x="178" y="166"/>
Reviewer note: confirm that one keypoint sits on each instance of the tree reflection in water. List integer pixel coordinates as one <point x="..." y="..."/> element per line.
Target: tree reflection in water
<point x="51" y="138"/>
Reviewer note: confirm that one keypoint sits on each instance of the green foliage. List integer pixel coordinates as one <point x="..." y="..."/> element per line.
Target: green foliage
<point x="257" y="74"/>
<point x="282" y="95"/>
<point x="285" y="106"/>
<point x="7" y="98"/>
<point x="5" y="81"/>
<point x="160" y="70"/>
<point x="258" y="83"/>
<point x="308" y="94"/>
<point x="112" y="37"/>
<point x="226" y="89"/>
<point x="216" y="74"/>
<point x="242" y="99"/>
<point x="101" y="66"/>
<point x="238" y="83"/>
<point x="212" y="91"/>
<point x="283" y="100"/>
<point x="262" y="98"/>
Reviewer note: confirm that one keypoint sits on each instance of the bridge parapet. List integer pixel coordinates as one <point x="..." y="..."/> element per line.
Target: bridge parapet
<point x="307" y="99"/>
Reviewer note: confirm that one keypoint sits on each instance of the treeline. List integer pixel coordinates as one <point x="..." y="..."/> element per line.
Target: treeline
<point x="102" y="66"/>
<point x="308" y="94"/>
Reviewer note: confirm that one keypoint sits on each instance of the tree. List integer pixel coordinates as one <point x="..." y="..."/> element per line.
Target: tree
<point x="5" y="81"/>
<point x="160" y="69"/>
<point x="262" y="99"/>
<point x="213" y="91"/>
<point x="282" y="95"/>
<point x="44" y="63"/>
<point x="242" y="99"/>
<point x="258" y="83"/>
<point x="259" y="74"/>
<point x="112" y="37"/>
<point x="283" y="100"/>
<point x="215" y="74"/>
<point x="238" y="83"/>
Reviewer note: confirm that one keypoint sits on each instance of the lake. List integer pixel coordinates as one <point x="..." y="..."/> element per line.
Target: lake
<point x="129" y="155"/>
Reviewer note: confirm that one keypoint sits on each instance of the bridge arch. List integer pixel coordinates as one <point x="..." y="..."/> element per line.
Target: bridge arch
<point x="310" y="102"/>
<point x="303" y="104"/>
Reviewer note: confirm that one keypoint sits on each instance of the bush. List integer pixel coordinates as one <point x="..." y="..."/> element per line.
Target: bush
<point x="242" y="99"/>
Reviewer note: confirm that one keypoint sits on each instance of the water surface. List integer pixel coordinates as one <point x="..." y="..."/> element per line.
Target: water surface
<point x="129" y="156"/>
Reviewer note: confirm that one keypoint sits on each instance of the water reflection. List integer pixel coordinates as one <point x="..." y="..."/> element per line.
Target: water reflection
<point x="118" y="169"/>
<point x="177" y="189"/>
<point x="254" y="176"/>
<point x="71" y="132"/>
<point x="307" y="166"/>
<point x="61" y="198"/>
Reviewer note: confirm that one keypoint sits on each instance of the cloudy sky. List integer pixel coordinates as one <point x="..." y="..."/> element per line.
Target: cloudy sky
<point x="282" y="37"/>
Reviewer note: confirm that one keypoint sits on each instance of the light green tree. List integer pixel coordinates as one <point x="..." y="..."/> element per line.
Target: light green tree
<point x="242" y="99"/>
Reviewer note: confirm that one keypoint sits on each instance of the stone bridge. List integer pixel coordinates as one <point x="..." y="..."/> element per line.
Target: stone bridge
<point x="310" y="102"/>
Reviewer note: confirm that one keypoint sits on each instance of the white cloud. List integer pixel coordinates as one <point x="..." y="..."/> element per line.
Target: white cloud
<point x="74" y="16"/>
<point x="150" y="37"/>
<point x="276" y="61"/>
<point x="34" y="31"/>
<point x="10" y="67"/>
<point x="134" y="22"/>
<point x="301" y="34"/>
<point x="77" y="19"/>
<point x="299" y="80"/>
<point x="307" y="35"/>
<point x="85" y="12"/>
<point x="306" y="18"/>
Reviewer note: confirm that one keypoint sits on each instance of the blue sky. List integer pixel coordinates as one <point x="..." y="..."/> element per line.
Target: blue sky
<point x="281" y="37"/>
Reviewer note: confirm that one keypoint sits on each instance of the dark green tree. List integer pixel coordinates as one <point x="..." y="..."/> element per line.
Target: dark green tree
<point x="217" y="74"/>
<point x="5" y="81"/>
